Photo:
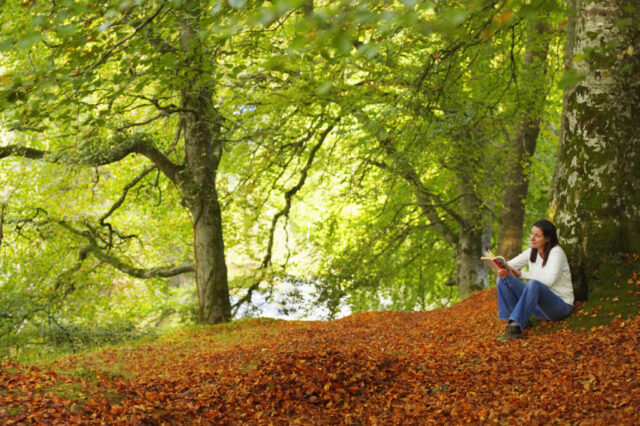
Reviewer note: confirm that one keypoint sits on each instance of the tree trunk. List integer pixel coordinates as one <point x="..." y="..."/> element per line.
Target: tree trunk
<point x="203" y="150"/>
<point x="211" y="269"/>
<point x="523" y="143"/>
<point x="471" y="272"/>
<point x="596" y="183"/>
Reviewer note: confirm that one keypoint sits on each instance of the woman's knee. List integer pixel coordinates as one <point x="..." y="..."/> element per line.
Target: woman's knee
<point x="535" y="285"/>
<point x="508" y="281"/>
<point x="502" y="282"/>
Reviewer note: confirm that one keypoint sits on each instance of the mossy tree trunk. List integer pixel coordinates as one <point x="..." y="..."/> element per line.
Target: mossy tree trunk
<point x="596" y="194"/>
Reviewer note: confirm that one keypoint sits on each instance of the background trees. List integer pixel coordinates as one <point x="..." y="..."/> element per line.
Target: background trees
<point x="94" y="84"/>
<point x="369" y="150"/>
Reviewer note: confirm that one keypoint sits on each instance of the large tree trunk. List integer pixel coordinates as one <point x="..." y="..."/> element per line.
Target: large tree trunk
<point x="597" y="181"/>
<point x="203" y="150"/>
<point x="211" y="270"/>
<point x="523" y="144"/>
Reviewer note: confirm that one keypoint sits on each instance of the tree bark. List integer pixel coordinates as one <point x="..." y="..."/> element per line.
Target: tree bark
<point x="471" y="272"/>
<point x="203" y="151"/>
<point x="523" y="143"/>
<point x="596" y="183"/>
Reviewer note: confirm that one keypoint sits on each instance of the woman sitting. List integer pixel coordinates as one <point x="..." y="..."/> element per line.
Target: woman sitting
<point x="548" y="293"/>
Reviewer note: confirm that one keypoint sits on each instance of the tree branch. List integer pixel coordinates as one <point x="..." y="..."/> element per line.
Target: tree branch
<point x="425" y="202"/>
<point x="142" y="123"/>
<point x="162" y="162"/>
<point x="124" y="40"/>
<point x="125" y="191"/>
<point x="123" y="266"/>
<point x="21" y="151"/>
<point x="291" y="192"/>
<point x="283" y="212"/>
<point x="125" y="145"/>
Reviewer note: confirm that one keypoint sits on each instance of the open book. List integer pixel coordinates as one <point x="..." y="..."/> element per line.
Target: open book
<point x="495" y="262"/>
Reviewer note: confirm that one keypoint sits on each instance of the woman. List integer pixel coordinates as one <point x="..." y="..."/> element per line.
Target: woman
<point x="548" y="293"/>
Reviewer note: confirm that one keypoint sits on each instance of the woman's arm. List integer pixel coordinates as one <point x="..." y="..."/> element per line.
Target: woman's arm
<point x="521" y="260"/>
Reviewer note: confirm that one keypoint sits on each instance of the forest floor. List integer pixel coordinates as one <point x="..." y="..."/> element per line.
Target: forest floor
<point x="442" y="366"/>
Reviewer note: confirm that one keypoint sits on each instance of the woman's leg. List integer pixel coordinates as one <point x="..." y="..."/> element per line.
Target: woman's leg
<point x="510" y="290"/>
<point x="538" y="295"/>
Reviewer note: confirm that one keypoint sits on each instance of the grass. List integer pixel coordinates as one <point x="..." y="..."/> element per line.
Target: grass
<point x="115" y="361"/>
<point x="37" y="356"/>
<point x="70" y="391"/>
<point x="614" y="295"/>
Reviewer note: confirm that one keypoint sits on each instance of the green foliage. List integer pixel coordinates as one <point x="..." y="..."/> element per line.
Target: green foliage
<point x="83" y="79"/>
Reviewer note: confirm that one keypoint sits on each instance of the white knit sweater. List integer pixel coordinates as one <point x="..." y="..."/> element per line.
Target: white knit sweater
<point x="555" y="274"/>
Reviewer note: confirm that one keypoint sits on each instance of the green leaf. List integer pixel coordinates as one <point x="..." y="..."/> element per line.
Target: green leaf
<point x="66" y="30"/>
<point x="342" y="44"/>
<point x="324" y="89"/>
<point x="29" y="40"/>
<point x="238" y="4"/>
<point x="409" y="3"/>
<point x="368" y="50"/>
<point x="298" y="43"/>
<point x="40" y="20"/>
<point x="283" y="6"/>
<point x="169" y="59"/>
<point x="274" y="63"/>
<point x="626" y="68"/>
<point x="265" y="16"/>
<point x="6" y="44"/>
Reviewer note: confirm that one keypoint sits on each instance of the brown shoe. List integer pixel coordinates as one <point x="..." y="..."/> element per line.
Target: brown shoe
<point x="510" y="333"/>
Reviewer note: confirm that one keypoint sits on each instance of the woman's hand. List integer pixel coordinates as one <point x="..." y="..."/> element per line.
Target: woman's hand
<point x="502" y="273"/>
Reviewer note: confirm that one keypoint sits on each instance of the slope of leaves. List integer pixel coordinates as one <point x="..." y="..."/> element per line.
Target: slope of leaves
<point x="370" y="368"/>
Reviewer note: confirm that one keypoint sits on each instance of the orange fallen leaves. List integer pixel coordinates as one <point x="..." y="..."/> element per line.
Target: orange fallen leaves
<point x="435" y="367"/>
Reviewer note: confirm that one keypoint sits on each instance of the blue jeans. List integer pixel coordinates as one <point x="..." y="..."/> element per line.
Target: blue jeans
<point x="517" y="301"/>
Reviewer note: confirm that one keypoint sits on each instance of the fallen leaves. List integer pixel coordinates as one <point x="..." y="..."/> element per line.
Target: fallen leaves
<point x="442" y="366"/>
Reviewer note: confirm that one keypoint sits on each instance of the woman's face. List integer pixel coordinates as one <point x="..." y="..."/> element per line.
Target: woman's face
<point x="538" y="240"/>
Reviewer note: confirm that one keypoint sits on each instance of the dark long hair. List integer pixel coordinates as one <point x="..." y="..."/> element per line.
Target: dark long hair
<point x="549" y="231"/>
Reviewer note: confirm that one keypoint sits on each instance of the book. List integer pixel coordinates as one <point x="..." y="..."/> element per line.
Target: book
<point x="496" y="263"/>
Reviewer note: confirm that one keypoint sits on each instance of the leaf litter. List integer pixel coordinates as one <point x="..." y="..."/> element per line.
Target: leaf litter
<point x="441" y="366"/>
